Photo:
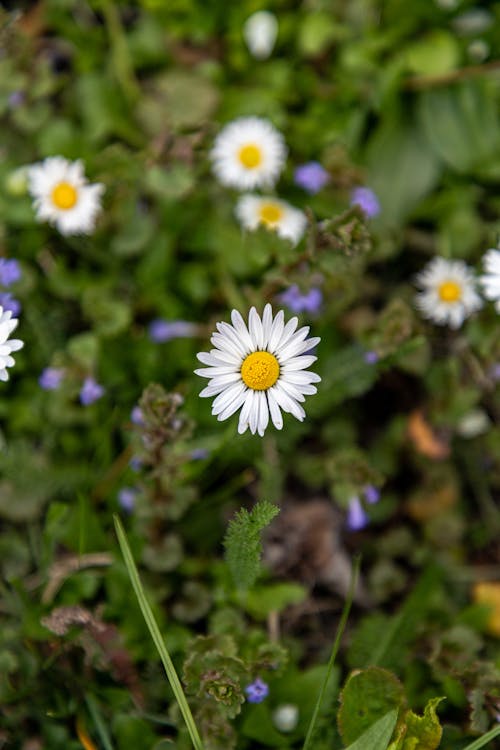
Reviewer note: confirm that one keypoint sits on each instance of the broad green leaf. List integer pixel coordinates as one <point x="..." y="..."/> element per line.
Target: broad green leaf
<point x="377" y="737"/>
<point x="402" y="169"/>
<point x="366" y="697"/>
<point x="436" y="53"/>
<point x="460" y="124"/>
<point x="261" y="600"/>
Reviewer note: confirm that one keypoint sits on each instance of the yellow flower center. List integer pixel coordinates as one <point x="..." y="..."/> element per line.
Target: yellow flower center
<point x="250" y="156"/>
<point x="270" y="214"/>
<point x="64" y="196"/>
<point x="260" y="370"/>
<point x="449" y="291"/>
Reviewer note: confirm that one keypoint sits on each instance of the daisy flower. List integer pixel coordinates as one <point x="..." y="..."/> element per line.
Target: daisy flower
<point x="276" y="215"/>
<point x="7" y="325"/>
<point x="62" y="195"/>
<point x="259" y="368"/>
<point x="248" y="153"/>
<point x="491" y="279"/>
<point x="449" y="292"/>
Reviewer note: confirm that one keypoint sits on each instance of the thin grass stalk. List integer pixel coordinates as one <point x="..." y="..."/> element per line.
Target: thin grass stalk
<point x="154" y="630"/>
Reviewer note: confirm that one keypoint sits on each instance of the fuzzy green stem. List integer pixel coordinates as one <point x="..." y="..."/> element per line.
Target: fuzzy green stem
<point x="154" y="630"/>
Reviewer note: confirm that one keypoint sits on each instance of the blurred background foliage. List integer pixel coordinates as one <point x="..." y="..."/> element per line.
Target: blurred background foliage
<point x="402" y="98"/>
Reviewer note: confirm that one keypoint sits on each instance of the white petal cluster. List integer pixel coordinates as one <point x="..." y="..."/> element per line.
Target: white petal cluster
<point x="267" y="144"/>
<point x="72" y="210"/>
<point x="7" y="346"/>
<point x="270" y="338"/>
<point x="490" y="281"/>
<point x="448" y="293"/>
<point x="276" y="215"/>
<point x="260" y="31"/>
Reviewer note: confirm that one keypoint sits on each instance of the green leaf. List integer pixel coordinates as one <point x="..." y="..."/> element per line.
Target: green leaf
<point x="436" y="53"/>
<point x="460" y="124"/>
<point x="366" y="697"/>
<point x="109" y="315"/>
<point x="378" y="736"/>
<point x="403" y="169"/>
<point x="421" y="732"/>
<point x="243" y="542"/>
<point x="261" y="600"/>
<point x="482" y="741"/>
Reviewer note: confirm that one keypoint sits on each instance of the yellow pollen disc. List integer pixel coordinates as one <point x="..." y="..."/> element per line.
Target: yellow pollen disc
<point x="270" y="214"/>
<point x="250" y="156"/>
<point x="260" y="370"/>
<point x="64" y="196"/>
<point x="449" y="291"/>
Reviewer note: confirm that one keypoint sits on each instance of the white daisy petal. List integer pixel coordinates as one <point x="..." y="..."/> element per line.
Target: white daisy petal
<point x="258" y="369"/>
<point x="274" y="410"/>
<point x="490" y="281"/>
<point x="242" y="330"/>
<point x="263" y="413"/>
<point x="256" y="330"/>
<point x="62" y="196"/>
<point x="7" y="346"/>
<point x="299" y="363"/>
<point x="276" y="331"/>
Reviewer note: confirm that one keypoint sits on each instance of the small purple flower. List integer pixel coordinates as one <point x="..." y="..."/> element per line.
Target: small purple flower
<point x="311" y="177"/>
<point x="126" y="498"/>
<point x="50" y="378"/>
<point x="257" y="691"/>
<point x="366" y="200"/>
<point x="136" y="416"/>
<point x="135" y="463"/>
<point x="8" y="302"/>
<point x="199" y="454"/>
<point x="91" y="391"/>
<point x="161" y="330"/>
<point x="298" y="302"/>
<point x="9" y="271"/>
<point x="371" y="357"/>
<point x="371" y="493"/>
<point x="15" y="99"/>
<point x="356" y="516"/>
<point x="494" y="371"/>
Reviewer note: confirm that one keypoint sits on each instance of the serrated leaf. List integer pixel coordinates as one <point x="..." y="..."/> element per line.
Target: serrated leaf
<point x="420" y="732"/>
<point x="243" y="542"/>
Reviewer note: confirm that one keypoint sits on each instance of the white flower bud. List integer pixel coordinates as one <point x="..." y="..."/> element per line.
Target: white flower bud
<point x="260" y="31"/>
<point x="286" y="717"/>
<point x="475" y="422"/>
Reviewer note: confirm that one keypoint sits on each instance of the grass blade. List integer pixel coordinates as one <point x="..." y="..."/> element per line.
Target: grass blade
<point x="154" y="630"/>
<point x="99" y="724"/>
<point x="335" y="648"/>
<point x="482" y="741"/>
<point x="378" y="736"/>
